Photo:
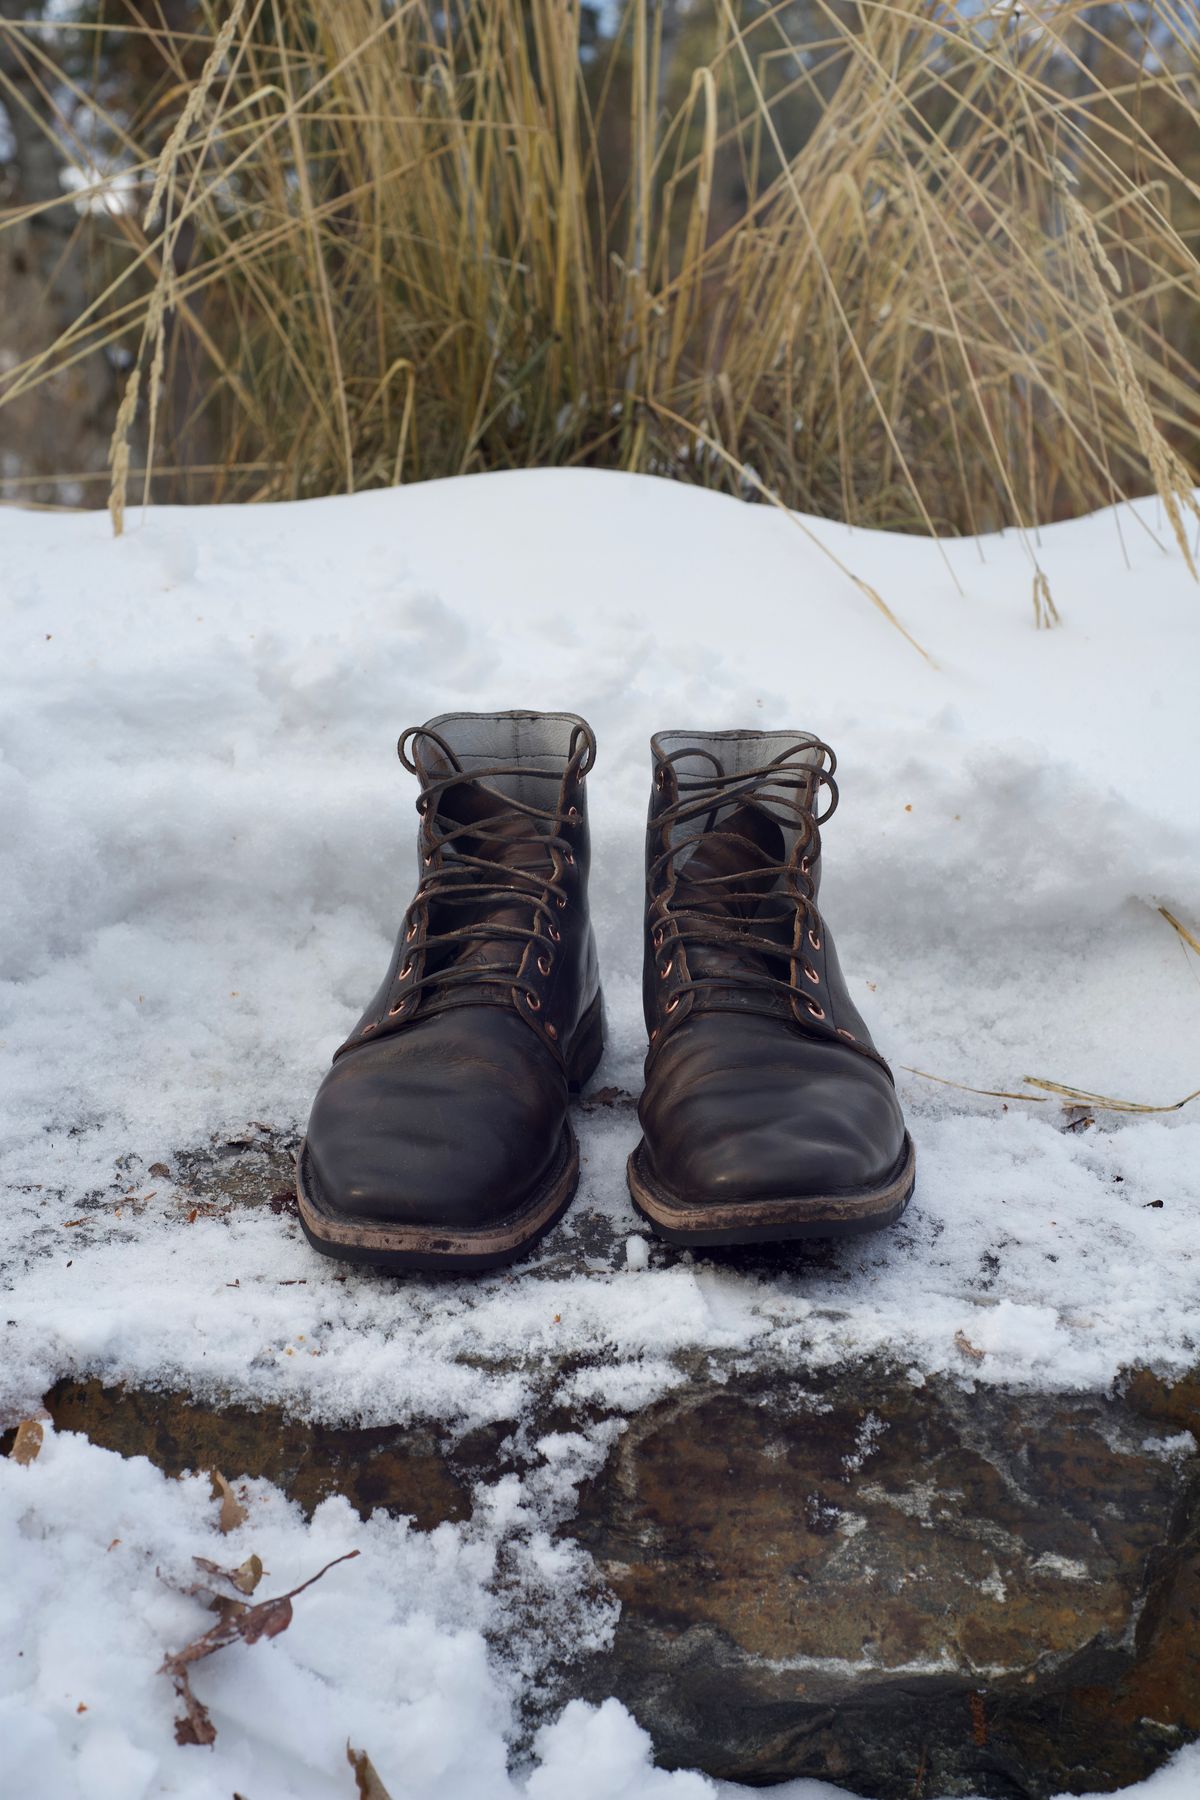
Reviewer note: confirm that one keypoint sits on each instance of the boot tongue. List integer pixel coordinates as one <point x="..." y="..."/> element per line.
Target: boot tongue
<point x="745" y="842"/>
<point x="745" y="848"/>
<point x="503" y="837"/>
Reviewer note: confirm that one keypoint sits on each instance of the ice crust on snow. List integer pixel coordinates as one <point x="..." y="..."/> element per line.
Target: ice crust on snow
<point x="208" y="845"/>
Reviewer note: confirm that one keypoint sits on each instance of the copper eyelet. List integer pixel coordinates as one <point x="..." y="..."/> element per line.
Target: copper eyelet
<point x="810" y="974"/>
<point x="672" y="1003"/>
<point x="665" y="971"/>
<point x="804" y="865"/>
<point x="654" y="1034"/>
<point x="818" y="1012"/>
<point x="569" y="858"/>
<point x="533" y="1003"/>
<point x="560" y="902"/>
<point x="398" y="1008"/>
<point x="848" y="1035"/>
<point x="406" y="971"/>
<point x="365" y="1030"/>
<point x="660" y="779"/>
<point x="551" y="1031"/>
<point x="544" y="964"/>
<point x="555" y="934"/>
<point x="428" y="859"/>
<point x="814" y="940"/>
<point x="574" y="815"/>
<point x="658" y="937"/>
<point x="410" y="934"/>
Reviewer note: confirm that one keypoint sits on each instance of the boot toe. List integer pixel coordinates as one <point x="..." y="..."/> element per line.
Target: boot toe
<point x="440" y="1124"/>
<point x="740" y="1109"/>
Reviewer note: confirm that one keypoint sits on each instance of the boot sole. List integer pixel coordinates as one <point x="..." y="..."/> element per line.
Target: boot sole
<point x="707" y="1226"/>
<point x="433" y="1247"/>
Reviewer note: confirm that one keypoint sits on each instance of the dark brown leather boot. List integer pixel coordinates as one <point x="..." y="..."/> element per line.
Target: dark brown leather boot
<point x="767" y="1111"/>
<point x="439" y="1139"/>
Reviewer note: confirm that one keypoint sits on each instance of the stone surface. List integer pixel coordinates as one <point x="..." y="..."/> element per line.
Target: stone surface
<point x="911" y="1590"/>
<point x="407" y="1469"/>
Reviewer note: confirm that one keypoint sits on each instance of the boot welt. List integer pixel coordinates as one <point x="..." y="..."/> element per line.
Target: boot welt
<point x="702" y="1226"/>
<point x="400" y="1246"/>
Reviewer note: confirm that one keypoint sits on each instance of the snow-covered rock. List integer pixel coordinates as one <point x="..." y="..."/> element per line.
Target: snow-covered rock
<point x="207" y="845"/>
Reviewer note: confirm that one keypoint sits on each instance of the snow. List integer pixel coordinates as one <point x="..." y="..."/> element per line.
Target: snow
<point x="207" y="846"/>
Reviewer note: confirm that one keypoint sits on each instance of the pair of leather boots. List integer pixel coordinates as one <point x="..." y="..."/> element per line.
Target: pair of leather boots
<point x="440" y="1138"/>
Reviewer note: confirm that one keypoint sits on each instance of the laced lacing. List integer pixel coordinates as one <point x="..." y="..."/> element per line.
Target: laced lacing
<point x="745" y="901"/>
<point x="457" y="877"/>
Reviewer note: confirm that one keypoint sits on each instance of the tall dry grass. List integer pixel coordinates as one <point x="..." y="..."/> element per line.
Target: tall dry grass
<point x="911" y="263"/>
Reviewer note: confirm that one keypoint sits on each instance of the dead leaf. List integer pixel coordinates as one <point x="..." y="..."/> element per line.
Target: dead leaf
<point x="962" y="1342"/>
<point x="245" y="1578"/>
<point x="160" y="1171"/>
<point x="233" y="1513"/>
<point x="366" y="1776"/>
<point x="28" y="1442"/>
<point x="607" y="1096"/>
<point x="247" y="1575"/>
<point x="195" y="1727"/>
<point x="247" y="1623"/>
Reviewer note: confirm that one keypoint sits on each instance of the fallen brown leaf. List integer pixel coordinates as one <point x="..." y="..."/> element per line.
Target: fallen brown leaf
<point x="247" y="1575"/>
<point x="366" y="1776"/>
<point x="28" y="1442"/>
<point x="245" y="1578"/>
<point x="963" y="1343"/>
<point x="233" y="1513"/>
<point x="606" y="1096"/>
<point x="245" y="1623"/>
<point x="159" y="1170"/>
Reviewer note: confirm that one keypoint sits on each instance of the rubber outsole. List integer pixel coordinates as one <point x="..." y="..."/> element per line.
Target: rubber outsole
<point x="708" y="1226"/>
<point x="434" y="1248"/>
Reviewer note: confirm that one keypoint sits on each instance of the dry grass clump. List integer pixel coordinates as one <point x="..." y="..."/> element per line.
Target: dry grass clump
<point x="909" y="263"/>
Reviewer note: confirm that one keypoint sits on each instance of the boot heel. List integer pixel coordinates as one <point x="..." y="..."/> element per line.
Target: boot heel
<point x="587" y="1045"/>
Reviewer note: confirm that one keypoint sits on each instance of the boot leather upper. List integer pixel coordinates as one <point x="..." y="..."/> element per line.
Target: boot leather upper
<point x="446" y="1104"/>
<point x="762" y="1081"/>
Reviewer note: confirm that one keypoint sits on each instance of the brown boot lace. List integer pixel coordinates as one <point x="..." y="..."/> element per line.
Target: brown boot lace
<point x="743" y="894"/>
<point x="496" y="861"/>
